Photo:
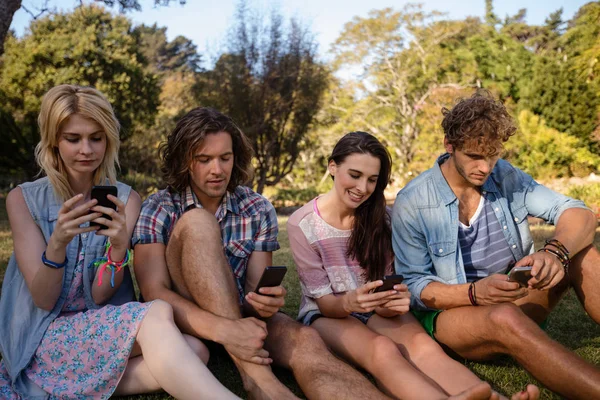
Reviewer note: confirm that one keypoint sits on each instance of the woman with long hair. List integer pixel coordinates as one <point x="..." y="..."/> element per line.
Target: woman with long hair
<point x="69" y="327"/>
<point x="341" y="243"/>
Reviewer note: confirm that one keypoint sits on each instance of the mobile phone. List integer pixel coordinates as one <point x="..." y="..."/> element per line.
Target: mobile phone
<point x="271" y="276"/>
<point x="100" y="193"/>
<point x="521" y="275"/>
<point x="388" y="283"/>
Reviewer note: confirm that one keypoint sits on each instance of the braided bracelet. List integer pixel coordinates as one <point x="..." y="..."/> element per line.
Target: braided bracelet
<point x="107" y="263"/>
<point x="472" y="295"/>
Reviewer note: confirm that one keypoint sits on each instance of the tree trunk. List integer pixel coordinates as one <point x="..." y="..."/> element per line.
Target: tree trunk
<point x="7" y="11"/>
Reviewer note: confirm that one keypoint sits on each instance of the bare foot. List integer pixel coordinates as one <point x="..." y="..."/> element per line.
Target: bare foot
<point x="532" y="392"/>
<point x="482" y="391"/>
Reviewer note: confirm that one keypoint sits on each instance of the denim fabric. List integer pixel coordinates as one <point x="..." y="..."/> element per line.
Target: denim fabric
<point x="22" y="324"/>
<point x="425" y="222"/>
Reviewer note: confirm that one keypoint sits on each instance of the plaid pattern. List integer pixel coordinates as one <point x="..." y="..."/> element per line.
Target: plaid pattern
<point x="248" y="223"/>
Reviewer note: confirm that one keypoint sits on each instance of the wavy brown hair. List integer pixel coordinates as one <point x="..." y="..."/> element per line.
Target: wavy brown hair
<point x="177" y="151"/>
<point x="481" y="120"/>
<point x="370" y="242"/>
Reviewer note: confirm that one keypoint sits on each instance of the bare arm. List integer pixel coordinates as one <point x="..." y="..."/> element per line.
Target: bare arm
<point x="359" y="300"/>
<point x="575" y="229"/>
<point x="43" y="282"/>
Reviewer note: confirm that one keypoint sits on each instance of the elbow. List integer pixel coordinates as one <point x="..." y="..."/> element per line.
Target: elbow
<point x="152" y="292"/>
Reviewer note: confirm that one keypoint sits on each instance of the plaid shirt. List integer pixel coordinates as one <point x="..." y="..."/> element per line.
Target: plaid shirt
<point x="248" y="223"/>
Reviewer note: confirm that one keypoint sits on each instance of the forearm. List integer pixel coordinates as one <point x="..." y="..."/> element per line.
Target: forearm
<point x="386" y="312"/>
<point x="190" y="318"/>
<point x="440" y="296"/>
<point x="334" y="305"/>
<point x="102" y="293"/>
<point x="576" y="229"/>
<point x="47" y="283"/>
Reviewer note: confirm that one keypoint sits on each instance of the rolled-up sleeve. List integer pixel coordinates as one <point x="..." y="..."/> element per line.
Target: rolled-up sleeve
<point x="412" y="258"/>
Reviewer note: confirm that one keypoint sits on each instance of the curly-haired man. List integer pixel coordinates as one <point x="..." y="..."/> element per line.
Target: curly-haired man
<point x="460" y="226"/>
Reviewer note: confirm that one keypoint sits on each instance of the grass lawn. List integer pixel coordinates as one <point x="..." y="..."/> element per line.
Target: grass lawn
<point x="569" y="324"/>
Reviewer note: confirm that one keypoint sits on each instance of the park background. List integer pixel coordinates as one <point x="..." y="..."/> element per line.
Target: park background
<point x="296" y="82"/>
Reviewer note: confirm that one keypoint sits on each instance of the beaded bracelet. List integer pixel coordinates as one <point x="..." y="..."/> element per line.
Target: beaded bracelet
<point x="107" y="263"/>
<point x="556" y="248"/>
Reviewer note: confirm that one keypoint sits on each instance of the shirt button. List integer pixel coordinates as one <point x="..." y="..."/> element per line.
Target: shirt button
<point x="514" y="246"/>
<point x="496" y="209"/>
<point x="441" y="250"/>
<point x="505" y="227"/>
<point x="484" y="192"/>
<point x="84" y="235"/>
<point x="516" y="219"/>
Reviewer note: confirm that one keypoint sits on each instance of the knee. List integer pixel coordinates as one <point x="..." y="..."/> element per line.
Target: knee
<point x="309" y="340"/>
<point x="382" y="349"/>
<point x="160" y="312"/>
<point x="198" y="347"/>
<point x="506" y="321"/>
<point x="422" y="347"/>
<point x="196" y="223"/>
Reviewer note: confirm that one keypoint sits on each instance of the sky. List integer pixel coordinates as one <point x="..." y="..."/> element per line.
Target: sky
<point x="205" y="22"/>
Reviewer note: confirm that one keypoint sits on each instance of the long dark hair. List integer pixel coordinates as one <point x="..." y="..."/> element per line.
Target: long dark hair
<point x="370" y="242"/>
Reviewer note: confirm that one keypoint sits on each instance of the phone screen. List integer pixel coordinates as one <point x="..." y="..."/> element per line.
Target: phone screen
<point x="271" y="276"/>
<point x="388" y="283"/>
<point x="100" y="193"/>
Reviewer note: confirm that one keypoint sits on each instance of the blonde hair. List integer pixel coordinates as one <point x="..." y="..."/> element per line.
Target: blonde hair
<point x="60" y="103"/>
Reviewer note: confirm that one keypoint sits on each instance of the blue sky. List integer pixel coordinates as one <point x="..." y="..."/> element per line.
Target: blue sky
<point x="206" y="21"/>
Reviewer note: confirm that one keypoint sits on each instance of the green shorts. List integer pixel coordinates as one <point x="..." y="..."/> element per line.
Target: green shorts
<point x="427" y="320"/>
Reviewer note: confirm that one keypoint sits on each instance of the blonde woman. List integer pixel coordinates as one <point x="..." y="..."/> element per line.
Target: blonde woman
<point x="68" y="325"/>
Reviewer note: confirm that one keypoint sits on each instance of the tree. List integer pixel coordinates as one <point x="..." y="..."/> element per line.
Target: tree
<point x="88" y="47"/>
<point x="270" y="82"/>
<point x="9" y="7"/>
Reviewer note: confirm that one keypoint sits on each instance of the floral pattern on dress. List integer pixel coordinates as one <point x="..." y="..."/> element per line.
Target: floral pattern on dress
<point x="83" y="353"/>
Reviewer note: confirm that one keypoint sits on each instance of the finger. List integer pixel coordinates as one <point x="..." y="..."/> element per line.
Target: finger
<point x="525" y="261"/>
<point x="537" y="265"/>
<point x="278" y="291"/>
<point x="371" y="305"/>
<point x="505" y="285"/>
<point x="401" y="287"/>
<point x="120" y="205"/>
<point x="260" y="360"/>
<point x="367" y="287"/>
<point x="375" y="296"/>
<point x="258" y="322"/>
<point x="110" y="212"/>
<point x="256" y="300"/>
<point x="67" y="205"/>
<point x="556" y="278"/>
<point x="84" y="218"/>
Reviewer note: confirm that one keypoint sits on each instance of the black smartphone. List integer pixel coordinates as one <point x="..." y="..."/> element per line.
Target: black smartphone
<point x="271" y="276"/>
<point x="388" y="283"/>
<point x="100" y="193"/>
<point x="521" y="275"/>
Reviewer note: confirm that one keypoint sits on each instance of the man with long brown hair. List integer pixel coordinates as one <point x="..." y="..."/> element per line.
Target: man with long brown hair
<point x="459" y="228"/>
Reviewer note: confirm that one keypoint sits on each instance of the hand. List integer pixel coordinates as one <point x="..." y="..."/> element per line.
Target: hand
<point x="70" y="218"/>
<point x="362" y="301"/>
<point x="547" y="270"/>
<point x="244" y="338"/>
<point x="496" y="289"/>
<point x="400" y="302"/>
<point x="117" y="228"/>
<point x="267" y="306"/>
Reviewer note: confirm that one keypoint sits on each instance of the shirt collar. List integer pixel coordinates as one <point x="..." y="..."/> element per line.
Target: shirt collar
<point x="442" y="185"/>
<point x="190" y="200"/>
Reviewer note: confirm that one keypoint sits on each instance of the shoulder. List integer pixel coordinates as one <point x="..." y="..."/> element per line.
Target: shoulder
<point x="301" y="214"/>
<point x="251" y="203"/>
<point x="163" y="199"/>
<point x="419" y="190"/>
<point x="507" y="176"/>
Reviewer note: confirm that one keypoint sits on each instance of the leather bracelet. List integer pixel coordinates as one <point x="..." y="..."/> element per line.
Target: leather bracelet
<point x="53" y="264"/>
<point x="472" y="296"/>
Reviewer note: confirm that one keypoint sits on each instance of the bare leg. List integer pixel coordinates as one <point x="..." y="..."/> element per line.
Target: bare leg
<point x="319" y="373"/>
<point x="479" y="333"/>
<point x="200" y="272"/>
<point x="424" y="353"/>
<point x="380" y="356"/>
<point x="176" y="368"/>
<point x="584" y="275"/>
<point x="137" y="378"/>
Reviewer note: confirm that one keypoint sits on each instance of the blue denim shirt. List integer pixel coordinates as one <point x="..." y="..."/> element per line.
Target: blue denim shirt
<point x="425" y="222"/>
<point x="22" y="324"/>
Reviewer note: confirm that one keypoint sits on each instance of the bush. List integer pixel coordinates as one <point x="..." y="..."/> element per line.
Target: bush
<point x="589" y="194"/>
<point x="293" y="197"/>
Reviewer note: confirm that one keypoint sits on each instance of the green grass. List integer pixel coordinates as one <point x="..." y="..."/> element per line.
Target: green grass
<point x="569" y="324"/>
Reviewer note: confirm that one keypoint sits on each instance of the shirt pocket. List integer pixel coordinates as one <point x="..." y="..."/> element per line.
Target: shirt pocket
<point x="443" y="256"/>
<point x="238" y="252"/>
